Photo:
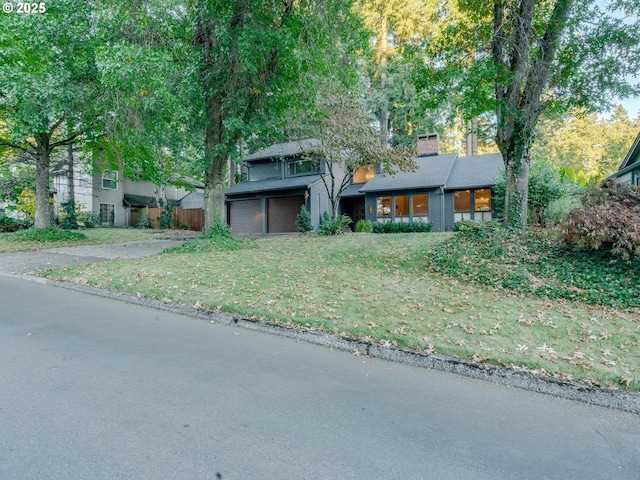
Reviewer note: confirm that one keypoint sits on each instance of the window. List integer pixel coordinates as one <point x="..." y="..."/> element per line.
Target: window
<point x="110" y="180"/>
<point x="384" y="206"/>
<point x="301" y="167"/>
<point x="482" y="200"/>
<point x="462" y="201"/>
<point x="363" y="174"/>
<point x="402" y="205"/>
<point x="107" y="213"/>
<point x="420" y="204"/>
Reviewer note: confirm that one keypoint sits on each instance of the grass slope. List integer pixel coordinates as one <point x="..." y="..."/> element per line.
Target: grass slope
<point x="383" y="289"/>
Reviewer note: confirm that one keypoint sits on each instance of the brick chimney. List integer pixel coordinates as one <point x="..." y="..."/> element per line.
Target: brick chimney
<point x="428" y="144"/>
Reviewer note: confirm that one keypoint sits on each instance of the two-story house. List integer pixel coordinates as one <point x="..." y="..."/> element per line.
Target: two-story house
<point x="443" y="189"/>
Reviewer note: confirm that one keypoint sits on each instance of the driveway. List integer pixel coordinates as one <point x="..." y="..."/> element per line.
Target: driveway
<point x="34" y="261"/>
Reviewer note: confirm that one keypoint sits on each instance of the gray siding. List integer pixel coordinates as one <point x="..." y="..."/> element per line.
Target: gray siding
<point x="319" y="201"/>
<point x="448" y="211"/>
<point x="435" y="209"/>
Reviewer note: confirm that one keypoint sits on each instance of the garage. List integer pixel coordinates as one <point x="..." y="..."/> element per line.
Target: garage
<point x="245" y="216"/>
<point x="282" y="213"/>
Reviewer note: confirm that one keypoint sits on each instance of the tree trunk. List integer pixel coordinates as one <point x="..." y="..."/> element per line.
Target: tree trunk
<point x="43" y="215"/>
<point x="384" y="108"/>
<point x="216" y="164"/>
<point x="70" y="173"/>
<point x="517" y="193"/>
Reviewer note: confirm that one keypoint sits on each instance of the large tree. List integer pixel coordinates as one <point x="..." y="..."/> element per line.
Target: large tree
<point x="48" y="86"/>
<point x="530" y="56"/>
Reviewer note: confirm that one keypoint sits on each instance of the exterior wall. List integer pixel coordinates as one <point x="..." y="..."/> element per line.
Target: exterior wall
<point x="319" y="203"/>
<point x="435" y="215"/>
<point x="110" y="197"/>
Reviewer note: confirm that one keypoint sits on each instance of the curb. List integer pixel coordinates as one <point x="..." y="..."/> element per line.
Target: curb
<point x="592" y="395"/>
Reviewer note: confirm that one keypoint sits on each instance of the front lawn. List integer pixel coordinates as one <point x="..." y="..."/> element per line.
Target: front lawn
<point x="31" y="239"/>
<point x="384" y="289"/>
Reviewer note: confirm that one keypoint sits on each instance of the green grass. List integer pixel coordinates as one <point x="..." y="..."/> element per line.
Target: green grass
<point x="32" y="239"/>
<point x="383" y="289"/>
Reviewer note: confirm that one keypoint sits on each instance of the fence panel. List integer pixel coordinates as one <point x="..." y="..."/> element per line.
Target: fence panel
<point x="189" y="219"/>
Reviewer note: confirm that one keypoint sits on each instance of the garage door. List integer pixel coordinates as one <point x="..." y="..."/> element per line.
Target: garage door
<point x="282" y="213"/>
<point x="245" y="216"/>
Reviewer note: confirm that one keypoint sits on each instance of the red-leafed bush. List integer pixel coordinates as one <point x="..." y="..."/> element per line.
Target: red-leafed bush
<point x="608" y="219"/>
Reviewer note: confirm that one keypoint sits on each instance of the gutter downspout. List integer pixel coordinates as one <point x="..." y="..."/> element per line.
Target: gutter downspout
<point x="442" y="209"/>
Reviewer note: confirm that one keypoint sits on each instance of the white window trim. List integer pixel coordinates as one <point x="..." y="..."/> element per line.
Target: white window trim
<point x="114" y="179"/>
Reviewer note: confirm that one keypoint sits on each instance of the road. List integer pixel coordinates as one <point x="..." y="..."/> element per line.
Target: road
<point x="92" y="388"/>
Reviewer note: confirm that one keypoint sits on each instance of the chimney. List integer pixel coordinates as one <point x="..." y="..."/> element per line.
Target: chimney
<point x="428" y="144"/>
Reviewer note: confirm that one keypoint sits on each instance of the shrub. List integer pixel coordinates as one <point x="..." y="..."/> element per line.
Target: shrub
<point x="87" y="219"/>
<point x="219" y="237"/>
<point x="165" y="219"/>
<point x="27" y="202"/>
<point x="303" y="220"/>
<point x="558" y="210"/>
<point x="401" y="227"/>
<point x="47" y="235"/>
<point x="608" y="220"/>
<point x="144" y="222"/>
<point x="364" y="226"/>
<point x="334" y="226"/>
<point x="69" y="221"/>
<point x="8" y="224"/>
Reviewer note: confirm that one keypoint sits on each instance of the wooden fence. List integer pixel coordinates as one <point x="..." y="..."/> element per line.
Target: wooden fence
<point x="186" y="219"/>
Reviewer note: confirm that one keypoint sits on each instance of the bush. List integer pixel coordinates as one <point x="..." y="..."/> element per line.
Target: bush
<point x="47" y="235"/>
<point x="558" y="210"/>
<point x="364" y="226"/>
<point x="303" y="220"/>
<point x="219" y="237"/>
<point x="88" y="219"/>
<point x="334" y="226"/>
<point x="8" y="224"/>
<point x="69" y="221"/>
<point x="608" y="220"/>
<point x="144" y="222"/>
<point x="165" y="219"/>
<point x="401" y="227"/>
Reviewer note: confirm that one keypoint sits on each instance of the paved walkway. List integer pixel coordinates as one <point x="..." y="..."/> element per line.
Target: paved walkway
<point x="29" y="262"/>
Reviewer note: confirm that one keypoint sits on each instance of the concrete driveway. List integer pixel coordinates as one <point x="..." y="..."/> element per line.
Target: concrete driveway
<point x="34" y="261"/>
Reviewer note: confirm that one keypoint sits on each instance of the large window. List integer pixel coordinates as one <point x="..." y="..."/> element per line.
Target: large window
<point x="301" y="167"/>
<point x="482" y="200"/>
<point x="462" y="201"/>
<point x="363" y="174"/>
<point x="384" y="207"/>
<point x="420" y="205"/>
<point x="402" y="205"/>
<point x="110" y="180"/>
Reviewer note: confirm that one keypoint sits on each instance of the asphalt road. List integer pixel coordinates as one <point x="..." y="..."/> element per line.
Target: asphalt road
<point x="92" y="388"/>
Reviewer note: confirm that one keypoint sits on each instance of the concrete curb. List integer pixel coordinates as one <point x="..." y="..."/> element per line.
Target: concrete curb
<point x="598" y="396"/>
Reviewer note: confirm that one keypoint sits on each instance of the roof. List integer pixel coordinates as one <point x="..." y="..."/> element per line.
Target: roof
<point x="353" y="190"/>
<point x="288" y="149"/>
<point x="304" y="181"/>
<point x="632" y="157"/>
<point x="475" y="171"/>
<point x="432" y="172"/>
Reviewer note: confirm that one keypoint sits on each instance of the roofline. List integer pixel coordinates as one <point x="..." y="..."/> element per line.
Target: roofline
<point x="634" y="147"/>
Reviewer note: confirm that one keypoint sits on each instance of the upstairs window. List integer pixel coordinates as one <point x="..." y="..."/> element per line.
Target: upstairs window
<point x="110" y="180"/>
<point x="364" y="174"/>
<point x="301" y="167"/>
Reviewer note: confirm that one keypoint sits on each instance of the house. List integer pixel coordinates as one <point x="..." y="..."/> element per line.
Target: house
<point x="278" y="181"/>
<point x="444" y="189"/>
<point x="118" y="200"/>
<point x="629" y="171"/>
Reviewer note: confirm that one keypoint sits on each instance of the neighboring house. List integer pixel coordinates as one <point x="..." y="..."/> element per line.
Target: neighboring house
<point x="118" y="200"/>
<point x="629" y="171"/>
<point x="279" y="180"/>
<point x="444" y="189"/>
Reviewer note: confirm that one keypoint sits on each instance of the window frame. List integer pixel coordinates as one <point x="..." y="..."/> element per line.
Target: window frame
<point x="113" y="180"/>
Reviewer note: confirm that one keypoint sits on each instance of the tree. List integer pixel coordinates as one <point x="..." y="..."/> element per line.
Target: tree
<point x="47" y="86"/>
<point x="348" y="142"/>
<point x="256" y="59"/>
<point x="535" y="56"/>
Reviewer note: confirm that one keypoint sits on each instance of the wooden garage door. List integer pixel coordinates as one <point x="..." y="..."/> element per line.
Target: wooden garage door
<point x="245" y="216"/>
<point x="282" y="213"/>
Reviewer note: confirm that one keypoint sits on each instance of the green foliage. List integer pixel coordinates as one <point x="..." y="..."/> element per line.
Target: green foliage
<point x="546" y="184"/>
<point x="401" y="227"/>
<point x="364" y="226"/>
<point x="87" y="219"/>
<point x="608" y="220"/>
<point x="8" y="224"/>
<point x="532" y="263"/>
<point x="558" y="209"/>
<point x="144" y="222"/>
<point x="46" y="235"/>
<point x="218" y="237"/>
<point x="303" y="220"/>
<point x="26" y="202"/>
<point x="335" y="226"/>
<point x="69" y="220"/>
<point x="165" y="220"/>
<point x="14" y="180"/>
